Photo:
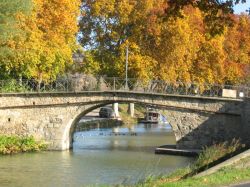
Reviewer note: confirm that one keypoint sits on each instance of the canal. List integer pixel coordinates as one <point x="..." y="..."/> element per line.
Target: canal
<point x="100" y="156"/>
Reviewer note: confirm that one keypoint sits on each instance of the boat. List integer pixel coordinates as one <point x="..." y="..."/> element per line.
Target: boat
<point x="153" y="116"/>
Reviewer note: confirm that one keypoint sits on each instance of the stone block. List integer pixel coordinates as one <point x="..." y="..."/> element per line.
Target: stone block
<point x="56" y="125"/>
<point x="229" y="93"/>
<point x="56" y="120"/>
<point x="50" y="125"/>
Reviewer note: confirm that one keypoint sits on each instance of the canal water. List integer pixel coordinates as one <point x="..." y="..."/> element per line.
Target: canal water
<point x="100" y="156"/>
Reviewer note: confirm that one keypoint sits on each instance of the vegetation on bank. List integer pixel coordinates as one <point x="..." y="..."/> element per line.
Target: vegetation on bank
<point x="225" y="176"/>
<point x="15" y="144"/>
<point x="209" y="157"/>
<point x="216" y="154"/>
<point x="125" y="116"/>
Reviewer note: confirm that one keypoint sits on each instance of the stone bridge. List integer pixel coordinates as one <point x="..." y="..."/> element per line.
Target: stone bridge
<point x="196" y="121"/>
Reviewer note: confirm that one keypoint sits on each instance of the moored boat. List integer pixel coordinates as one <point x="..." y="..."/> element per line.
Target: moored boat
<point x="153" y="116"/>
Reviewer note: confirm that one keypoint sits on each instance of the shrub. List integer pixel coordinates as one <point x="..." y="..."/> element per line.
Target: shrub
<point x="15" y="144"/>
<point x="215" y="154"/>
<point x="12" y="86"/>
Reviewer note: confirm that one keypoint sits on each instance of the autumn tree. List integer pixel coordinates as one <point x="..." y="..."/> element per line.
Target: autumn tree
<point x="49" y="41"/>
<point x="8" y="12"/>
<point x="237" y="49"/>
<point x="157" y="49"/>
<point x="108" y="27"/>
<point x="173" y="44"/>
<point x="56" y="23"/>
<point x="185" y="47"/>
<point x="217" y="14"/>
<point x="9" y="28"/>
<point x="208" y="66"/>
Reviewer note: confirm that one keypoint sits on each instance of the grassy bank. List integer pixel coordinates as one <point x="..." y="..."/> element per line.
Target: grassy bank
<point x="229" y="175"/>
<point x="126" y="118"/>
<point x="208" y="158"/>
<point x="15" y="144"/>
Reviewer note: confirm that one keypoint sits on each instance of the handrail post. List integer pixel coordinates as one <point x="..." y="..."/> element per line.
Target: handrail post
<point x="114" y="84"/>
<point x="67" y="83"/>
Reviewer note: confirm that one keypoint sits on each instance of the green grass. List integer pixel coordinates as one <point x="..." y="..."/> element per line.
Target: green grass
<point x="223" y="177"/>
<point x="209" y="157"/>
<point x="215" y="154"/>
<point x="15" y="144"/>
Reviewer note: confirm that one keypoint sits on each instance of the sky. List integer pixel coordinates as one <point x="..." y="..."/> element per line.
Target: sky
<point x="242" y="7"/>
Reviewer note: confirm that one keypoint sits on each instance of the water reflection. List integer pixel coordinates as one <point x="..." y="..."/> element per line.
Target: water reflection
<point x="142" y="137"/>
<point x="129" y="152"/>
<point x="100" y="156"/>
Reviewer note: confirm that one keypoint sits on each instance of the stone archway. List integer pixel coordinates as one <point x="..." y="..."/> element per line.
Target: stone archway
<point x="67" y="139"/>
<point x="69" y="129"/>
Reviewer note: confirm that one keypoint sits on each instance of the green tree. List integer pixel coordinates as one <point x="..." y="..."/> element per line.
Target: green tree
<point x="9" y="29"/>
<point x="8" y="12"/>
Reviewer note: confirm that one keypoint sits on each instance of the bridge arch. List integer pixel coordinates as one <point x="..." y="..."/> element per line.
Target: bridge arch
<point x="71" y="125"/>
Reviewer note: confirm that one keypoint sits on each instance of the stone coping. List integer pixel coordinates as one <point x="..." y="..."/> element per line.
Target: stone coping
<point x="56" y="94"/>
<point x="172" y="150"/>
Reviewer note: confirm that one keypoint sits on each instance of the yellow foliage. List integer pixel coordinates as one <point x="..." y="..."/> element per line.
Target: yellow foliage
<point x="209" y="64"/>
<point x="49" y="41"/>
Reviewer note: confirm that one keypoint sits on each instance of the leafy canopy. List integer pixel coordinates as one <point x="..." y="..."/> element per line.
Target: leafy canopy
<point x="173" y="41"/>
<point x="44" y="49"/>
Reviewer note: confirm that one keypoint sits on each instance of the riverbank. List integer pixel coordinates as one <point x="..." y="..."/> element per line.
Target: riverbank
<point x="238" y="172"/>
<point x="224" y="177"/>
<point x="126" y="118"/>
<point x="15" y="144"/>
<point x="97" y="123"/>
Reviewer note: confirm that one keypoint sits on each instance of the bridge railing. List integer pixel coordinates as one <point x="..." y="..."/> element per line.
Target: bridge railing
<point x="88" y="83"/>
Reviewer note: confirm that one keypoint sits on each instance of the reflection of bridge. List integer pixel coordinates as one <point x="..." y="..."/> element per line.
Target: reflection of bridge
<point x="196" y="121"/>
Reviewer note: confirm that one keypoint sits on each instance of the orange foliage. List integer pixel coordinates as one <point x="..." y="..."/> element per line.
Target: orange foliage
<point x="161" y="47"/>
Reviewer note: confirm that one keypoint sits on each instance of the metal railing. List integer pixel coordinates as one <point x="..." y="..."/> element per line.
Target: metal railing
<point x="88" y="83"/>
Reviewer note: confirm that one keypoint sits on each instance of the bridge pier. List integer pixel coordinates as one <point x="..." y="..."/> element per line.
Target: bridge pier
<point x="131" y="109"/>
<point x="116" y="110"/>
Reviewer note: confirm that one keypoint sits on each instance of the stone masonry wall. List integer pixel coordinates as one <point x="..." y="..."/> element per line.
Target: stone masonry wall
<point x="196" y="130"/>
<point x="246" y="119"/>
